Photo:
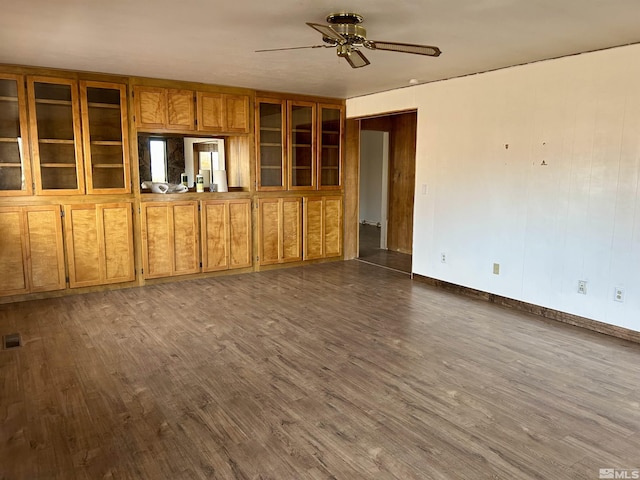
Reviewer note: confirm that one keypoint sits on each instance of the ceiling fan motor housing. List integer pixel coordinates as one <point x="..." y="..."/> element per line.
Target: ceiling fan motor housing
<point x="347" y="25"/>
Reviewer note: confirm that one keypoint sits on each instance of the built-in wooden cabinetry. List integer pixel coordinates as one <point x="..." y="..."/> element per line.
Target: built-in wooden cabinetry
<point x="322" y="220"/>
<point x="31" y="251"/>
<point x="280" y="230"/>
<point x="71" y="220"/>
<point x="15" y="162"/>
<point x="298" y="144"/>
<point x="170" y="238"/>
<point x="99" y="243"/>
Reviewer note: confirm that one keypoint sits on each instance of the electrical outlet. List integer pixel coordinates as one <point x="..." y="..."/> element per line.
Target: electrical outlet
<point x="496" y="269"/>
<point x="582" y="287"/>
<point x="618" y="295"/>
<point x="443" y="257"/>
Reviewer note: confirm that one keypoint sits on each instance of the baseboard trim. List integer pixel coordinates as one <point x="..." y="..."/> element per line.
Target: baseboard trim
<point x="587" y="323"/>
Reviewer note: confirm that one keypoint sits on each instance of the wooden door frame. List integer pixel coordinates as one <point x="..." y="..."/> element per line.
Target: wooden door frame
<point x="353" y="127"/>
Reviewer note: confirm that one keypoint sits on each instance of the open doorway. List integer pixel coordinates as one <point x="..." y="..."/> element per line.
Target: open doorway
<point x="387" y="187"/>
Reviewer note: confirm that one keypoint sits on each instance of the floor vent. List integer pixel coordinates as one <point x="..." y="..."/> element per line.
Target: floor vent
<point x="11" y="341"/>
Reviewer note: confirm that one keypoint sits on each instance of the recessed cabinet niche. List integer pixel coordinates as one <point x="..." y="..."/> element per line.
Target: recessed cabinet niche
<point x="15" y="163"/>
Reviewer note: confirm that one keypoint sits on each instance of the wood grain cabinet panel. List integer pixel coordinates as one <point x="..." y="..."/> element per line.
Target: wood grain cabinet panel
<point x="164" y="108"/>
<point x="99" y="244"/>
<point x="31" y="252"/>
<point x="221" y="112"/>
<point x="180" y="110"/>
<point x="280" y="230"/>
<point x="322" y="227"/>
<point x="170" y="238"/>
<point x="226" y="234"/>
<point x="13" y="254"/>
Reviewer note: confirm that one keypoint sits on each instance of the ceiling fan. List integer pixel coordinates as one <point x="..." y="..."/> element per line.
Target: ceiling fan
<point x="343" y="31"/>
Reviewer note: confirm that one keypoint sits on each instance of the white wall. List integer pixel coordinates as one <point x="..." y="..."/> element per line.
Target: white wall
<point x="371" y="149"/>
<point x="548" y="226"/>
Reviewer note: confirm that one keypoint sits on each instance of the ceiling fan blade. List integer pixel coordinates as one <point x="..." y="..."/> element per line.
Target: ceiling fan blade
<point x="327" y="32"/>
<point x="403" y="47"/>
<point x="292" y="48"/>
<point x="356" y="59"/>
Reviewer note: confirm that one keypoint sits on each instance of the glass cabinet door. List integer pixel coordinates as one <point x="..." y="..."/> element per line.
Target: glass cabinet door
<point x="104" y="128"/>
<point x="302" y="129"/>
<point x="55" y="135"/>
<point x="15" y="166"/>
<point x="329" y="147"/>
<point x="270" y="135"/>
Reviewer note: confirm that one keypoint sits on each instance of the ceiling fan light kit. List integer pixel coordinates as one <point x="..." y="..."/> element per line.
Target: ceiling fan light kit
<point x="344" y="32"/>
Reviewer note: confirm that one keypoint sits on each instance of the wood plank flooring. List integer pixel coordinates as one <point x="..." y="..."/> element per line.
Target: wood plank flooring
<point x="333" y="371"/>
<point x="370" y="251"/>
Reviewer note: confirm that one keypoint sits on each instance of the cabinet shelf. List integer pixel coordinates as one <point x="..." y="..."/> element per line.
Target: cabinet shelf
<point x="301" y="145"/>
<point x="8" y="99"/>
<point x="334" y="132"/>
<point x="8" y="139"/>
<point x="330" y="168"/>
<point x="270" y="129"/>
<point x="56" y="141"/>
<point x="46" y="101"/>
<point x="103" y="105"/>
<point x="58" y="165"/>
<point x="107" y="142"/>
<point x="107" y="165"/>
<point x="331" y="146"/>
<point x="301" y="168"/>
<point x="270" y="167"/>
<point x="270" y="144"/>
<point x="301" y="130"/>
<point x="14" y="165"/>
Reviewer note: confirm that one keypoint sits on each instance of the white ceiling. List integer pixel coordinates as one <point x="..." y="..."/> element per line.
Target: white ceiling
<point x="213" y="41"/>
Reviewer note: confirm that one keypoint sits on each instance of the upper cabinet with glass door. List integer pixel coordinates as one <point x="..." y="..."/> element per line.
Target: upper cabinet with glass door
<point x="302" y="132"/>
<point x="105" y="137"/>
<point x="270" y="141"/>
<point x="330" y="146"/>
<point x="56" y="142"/>
<point x="15" y="165"/>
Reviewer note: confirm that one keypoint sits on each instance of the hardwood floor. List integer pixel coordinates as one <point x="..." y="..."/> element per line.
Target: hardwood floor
<point x="333" y="371"/>
<point x="370" y="251"/>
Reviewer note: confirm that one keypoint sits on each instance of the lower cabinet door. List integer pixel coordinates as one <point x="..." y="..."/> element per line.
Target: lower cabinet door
<point x="170" y="238"/>
<point x="322" y="227"/>
<point x="99" y="244"/>
<point x="240" y="245"/>
<point x="226" y="234"/>
<point x="13" y="252"/>
<point x="31" y="250"/>
<point x="280" y="230"/>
